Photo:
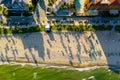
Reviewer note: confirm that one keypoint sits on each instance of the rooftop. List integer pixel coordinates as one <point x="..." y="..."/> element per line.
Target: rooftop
<point x="111" y="4"/>
<point x="14" y="4"/>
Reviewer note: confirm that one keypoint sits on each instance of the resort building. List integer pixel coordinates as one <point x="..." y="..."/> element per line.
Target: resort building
<point x="80" y="6"/>
<point x="15" y="6"/>
<point x="111" y="7"/>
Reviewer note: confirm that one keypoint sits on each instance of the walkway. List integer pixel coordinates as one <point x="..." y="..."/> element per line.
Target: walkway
<point x="40" y="13"/>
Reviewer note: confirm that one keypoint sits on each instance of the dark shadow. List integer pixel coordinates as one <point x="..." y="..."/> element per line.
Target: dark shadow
<point x="109" y="42"/>
<point x="39" y="46"/>
<point x="48" y="53"/>
<point x="77" y="36"/>
<point x="51" y="36"/>
<point x="7" y="59"/>
<point x="62" y="53"/>
<point x="49" y="43"/>
<point x="62" y="41"/>
<point x="27" y="57"/>
<point x="70" y="61"/>
<point x="79" y="59"/>
<point x="92" y="55"/>
<point x="34" y="58"/>
<point x="14" y="54"/>
<point x="70" y="53"/>
<point x="36" y="44"/>
<point x="2" y="59"/>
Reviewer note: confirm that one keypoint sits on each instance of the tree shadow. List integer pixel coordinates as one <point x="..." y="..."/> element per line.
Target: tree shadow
<point x="16" y="45"/>
<point x="35" y="44"/>
<point x="49" y="43"/>
<point x="7" y="59"/>
<point x="48" y="53"/>
<point x="70" y="53"/>
<point x="62" y="41"/>
<point x="77" y="36"/>
<point x="79" y="57"/>
<point x="34" y="58"/>
<point x="27" y="57"/>
<point x="38" y="40"/>
<point x="51" y="36"/>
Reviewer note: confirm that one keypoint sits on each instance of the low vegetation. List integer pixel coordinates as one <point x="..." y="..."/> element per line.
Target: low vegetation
<point x="81" y="27"/>
<point x="51" y="2"/>
<point x="117" y="28"/>
<point x="87" y="5"/>
<point x="67" y="6"/>
<point x="33" y="5"/>
<point x="20" y="30"/>
<point x="4" y="10"/>
<point x="17" y="72"/>
<point x="54" y="28"/>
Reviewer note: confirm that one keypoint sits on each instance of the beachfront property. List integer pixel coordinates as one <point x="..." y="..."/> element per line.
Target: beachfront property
<point x="104" y="7"/>
<point x="60" y="7"/>
<point x="80" y="6"/>
<point x="15" y="6"/>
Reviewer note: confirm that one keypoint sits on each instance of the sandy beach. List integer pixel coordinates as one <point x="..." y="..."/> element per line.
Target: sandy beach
<point x="62" y="48"/>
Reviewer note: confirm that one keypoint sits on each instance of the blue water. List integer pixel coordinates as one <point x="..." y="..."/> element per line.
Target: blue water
<point x="78" y="4"/>
<point x="62" y="13"/>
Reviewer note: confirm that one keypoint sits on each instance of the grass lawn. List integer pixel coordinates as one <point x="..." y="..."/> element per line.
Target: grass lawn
<point x="16" y="72"/>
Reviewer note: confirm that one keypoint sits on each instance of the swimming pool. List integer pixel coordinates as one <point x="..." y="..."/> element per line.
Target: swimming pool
<point x="78" y="4"/>
<point x="62" y="13"/>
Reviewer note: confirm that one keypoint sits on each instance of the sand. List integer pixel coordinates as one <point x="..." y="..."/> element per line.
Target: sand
<point x="62" y="48"/>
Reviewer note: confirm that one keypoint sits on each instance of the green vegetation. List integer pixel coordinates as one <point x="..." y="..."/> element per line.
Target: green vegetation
<point x="51" y="2"/>
<point x="117" y="28"/>
<point x="33" y="5"/>
<point x="16" y="72"/>
<point x="87" y="5"/>
<point x="79" y="28"/>
<point x="3" y="9"/>
<point x="72" y="28"/>
<point x="0" y="8"/>
<point x="20" y="30"/>
<point x="66" y="6"/>
<point x="103" y="27"/>
<point x="5" y="12"/>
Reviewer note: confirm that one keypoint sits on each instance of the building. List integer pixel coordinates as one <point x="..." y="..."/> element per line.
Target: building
<point x="79" y="7"/>
<point x="15" y="6"/>
<point x="111" y="7"/>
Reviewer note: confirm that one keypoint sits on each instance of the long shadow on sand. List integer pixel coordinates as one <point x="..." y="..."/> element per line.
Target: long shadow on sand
<point x="38" y="41"/>
<point x="110" y="43"/>
<point x="28" y="41"/>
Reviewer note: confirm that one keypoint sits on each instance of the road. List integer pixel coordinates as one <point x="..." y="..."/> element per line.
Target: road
<point x="87" y="20"/>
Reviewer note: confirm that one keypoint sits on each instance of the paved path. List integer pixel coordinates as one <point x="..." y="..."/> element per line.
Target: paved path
<point x="40" y="13"/>
<point x="90" y="20"/>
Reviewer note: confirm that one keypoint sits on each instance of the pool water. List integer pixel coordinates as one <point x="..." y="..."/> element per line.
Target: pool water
<point x="62" y="13"/>
<point x="78" y="4"/>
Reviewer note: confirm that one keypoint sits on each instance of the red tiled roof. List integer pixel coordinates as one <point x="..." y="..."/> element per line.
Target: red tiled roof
<point x="115" y="2"/>
<point x="111" y="5"/>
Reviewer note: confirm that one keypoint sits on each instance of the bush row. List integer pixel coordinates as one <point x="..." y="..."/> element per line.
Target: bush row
<point x="57" y="28"/>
